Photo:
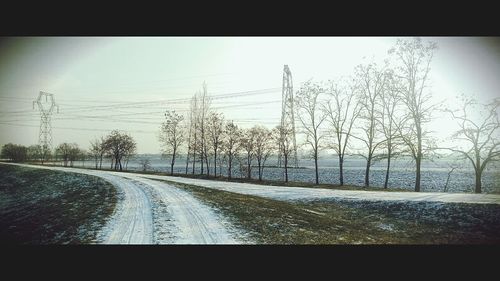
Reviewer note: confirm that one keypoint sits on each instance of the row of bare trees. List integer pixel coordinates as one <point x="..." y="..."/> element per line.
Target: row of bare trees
<point x="67" y="152"/>
<point x="378" y="113"/>
<point x="214" y="142"/>
<point x="117" y="146"/>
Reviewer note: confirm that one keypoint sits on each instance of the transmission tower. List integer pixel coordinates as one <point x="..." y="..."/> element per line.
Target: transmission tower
<point x="46" y="109"/>
<point x="287" y="115"/>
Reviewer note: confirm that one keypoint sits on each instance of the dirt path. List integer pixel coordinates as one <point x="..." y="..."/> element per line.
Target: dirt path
<point x="179" y="219"/>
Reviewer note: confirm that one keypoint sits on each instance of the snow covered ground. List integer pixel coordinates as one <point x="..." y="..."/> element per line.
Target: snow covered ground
<point x="154" y="212"/>
<point x="179" y="219"/>
<point x="301" y="193"/>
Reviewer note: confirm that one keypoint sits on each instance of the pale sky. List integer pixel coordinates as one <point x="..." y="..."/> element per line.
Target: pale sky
<point x="96" y="80"/>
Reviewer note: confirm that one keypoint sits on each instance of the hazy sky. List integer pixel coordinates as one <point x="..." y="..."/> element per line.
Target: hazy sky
<point x="96" y="80"/>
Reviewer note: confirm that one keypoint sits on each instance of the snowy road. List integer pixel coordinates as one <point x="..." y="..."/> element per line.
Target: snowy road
<point x="301" y="193"/>
<point x="179" y="218"/>
<point x="154" y="212"/>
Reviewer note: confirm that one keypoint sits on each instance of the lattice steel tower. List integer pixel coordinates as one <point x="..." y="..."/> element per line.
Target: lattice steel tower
<point x="46" y="110"/>
<point x="287" y="115"/>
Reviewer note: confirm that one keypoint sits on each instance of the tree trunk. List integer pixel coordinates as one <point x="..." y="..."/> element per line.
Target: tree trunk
<point x="419" y="156"/>
<point x="172" y="163"/>
<point x="249" y="172"/>
<point x="207" y="164"/>
<point x="316" y="165"/>
<point x="386" y="182"/>
<point x="194" y="158"/>
<point x="367" y="172"/>
<point x="341" y="170"/>
<point x="417" y="176"/>
<point x="215" y="163"/>
<point x="187" y="162"/>
<point x="220" y="167"/>
<point x="230" y="162"/>
<point x="260" y="171"/>
<point x="201" y="158"/>
<point x="286" y="169"/>
<point x="478" y="181"/>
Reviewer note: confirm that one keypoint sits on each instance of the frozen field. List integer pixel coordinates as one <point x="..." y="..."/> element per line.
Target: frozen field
<point x="402" y="175"/>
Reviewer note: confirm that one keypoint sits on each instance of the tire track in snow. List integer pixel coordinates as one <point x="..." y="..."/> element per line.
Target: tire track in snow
<point x="132" y="223"/>
<point x="187" y="221"/>
<point x="195" y="222"/>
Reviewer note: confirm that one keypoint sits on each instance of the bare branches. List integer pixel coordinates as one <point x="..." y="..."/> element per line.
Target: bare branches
<point x="481" y="135"/>
<point x="311" y="117"/>
<point x="215" y="130"/>
<point x="414" y="60"/>
<point x="341" y="111"/>
<point x="172" y="136"/>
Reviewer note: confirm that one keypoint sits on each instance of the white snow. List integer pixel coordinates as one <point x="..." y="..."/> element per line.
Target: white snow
<point x="190" y="221"/>
<point x="195" y="222"/>
<point x="302" y="193"/>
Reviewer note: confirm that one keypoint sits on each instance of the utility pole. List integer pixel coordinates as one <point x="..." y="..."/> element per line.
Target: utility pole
<point x="46" y="109"/>
<point x="287" y="114"/>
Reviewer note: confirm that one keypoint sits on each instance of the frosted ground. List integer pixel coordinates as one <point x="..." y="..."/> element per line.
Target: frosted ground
<point x="402" y="174"/>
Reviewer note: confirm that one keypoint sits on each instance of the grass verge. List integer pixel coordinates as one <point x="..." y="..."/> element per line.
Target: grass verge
<point x="52" y="207"/>
<point x="327" y="222"/>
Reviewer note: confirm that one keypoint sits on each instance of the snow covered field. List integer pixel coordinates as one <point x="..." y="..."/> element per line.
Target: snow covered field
<point x="402" y="174"/>
<point x="301" y="193"/>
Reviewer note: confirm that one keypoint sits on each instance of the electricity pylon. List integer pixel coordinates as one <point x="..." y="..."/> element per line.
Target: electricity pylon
<point x="45" y="135"/>
<point x="287" y="116"/>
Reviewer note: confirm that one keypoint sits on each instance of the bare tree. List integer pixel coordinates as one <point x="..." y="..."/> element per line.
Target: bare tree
<point x="14" y="152"/>
<point x="247" y="143"/>
<point x="65" y="151"/>
<point x="192" y="134"/>
<point x="231" y="144"/>
<point x="39" y="153"/>
<point x="388" y="122"/>
<point x="371" y="81"/>
<point x="263" y="146"/>
<point x="119" y="145"/>
<point x="145" y="164"/>
<point x="97" y="150"/>
<point x="342" y="110"/>
<point x="172" y="136"/>
<point x="479" y="137"/>
<point x="215" y="131"/>
<point x="204" y="109"/>
<point x="414" y="60"/>
<point x="284" y="138"/>
<point x="311" y="118"/>
<point x="46" y="153"/>
<point x="35" y="153"/>
<point x="75" y="153"/>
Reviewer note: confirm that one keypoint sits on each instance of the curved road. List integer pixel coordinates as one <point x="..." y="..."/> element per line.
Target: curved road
<point x="287" y="193"/>
<point x="153" y="212"/>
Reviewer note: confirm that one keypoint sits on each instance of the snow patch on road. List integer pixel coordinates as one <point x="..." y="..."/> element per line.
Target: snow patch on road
<point x="300" y="193"/>
<point x="195" y="222"/>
